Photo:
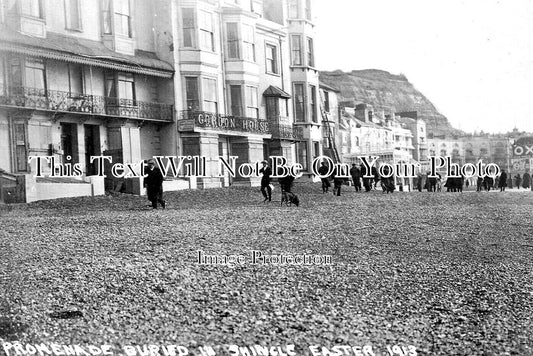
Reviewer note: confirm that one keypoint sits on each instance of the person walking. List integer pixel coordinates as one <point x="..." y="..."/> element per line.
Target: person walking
<point x="526" y="180"/>
<point x="337" y="184"/>
<point x="518" y="180"/>
<point x="323" y="171"/>
<point x="153" y="182"/>
<point x="502" y="183"/>
<point x="266" y="190"/>
<point x="355" y="172"/>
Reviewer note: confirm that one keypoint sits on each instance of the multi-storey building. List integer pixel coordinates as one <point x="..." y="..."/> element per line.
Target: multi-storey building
<point x="233" y="67"/>
<point x="304" y="80"/>
<point x="80" y="78"/>
<point x="134" y="79"/>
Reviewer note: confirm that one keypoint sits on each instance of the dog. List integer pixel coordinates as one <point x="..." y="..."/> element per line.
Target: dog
<point x="289" y="198"/>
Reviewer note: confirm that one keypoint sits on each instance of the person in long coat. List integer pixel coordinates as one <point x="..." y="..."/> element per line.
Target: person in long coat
<point x="355" y="172"/>
<point x="154" y="185"/>
<point x="266" y="190"/>
<point x="323" y="171"/>
<point x="526" y="180"/>
<point x="503" y="181"/>
<point x="518" y="180"/>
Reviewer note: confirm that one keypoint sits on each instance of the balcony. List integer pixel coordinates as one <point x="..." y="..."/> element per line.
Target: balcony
<point x="286" y="132"/>
<point x="65" y="102"/>
<point x="192" y="120"/>
<point x="282" y="129"/>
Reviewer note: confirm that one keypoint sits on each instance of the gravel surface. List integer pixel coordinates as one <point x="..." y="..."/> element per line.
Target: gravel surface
<point x="448" y="273"/>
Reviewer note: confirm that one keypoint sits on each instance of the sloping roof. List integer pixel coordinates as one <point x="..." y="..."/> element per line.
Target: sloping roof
<point x="275" y="91"/>
<point x="328" y="87"/>
<point x="83" y="51"/>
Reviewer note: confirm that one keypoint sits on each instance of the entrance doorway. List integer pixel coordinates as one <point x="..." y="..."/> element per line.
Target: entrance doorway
<point x="92" y="147"/>
<point x="69" y="142"/>
<point x="224" y="151"/>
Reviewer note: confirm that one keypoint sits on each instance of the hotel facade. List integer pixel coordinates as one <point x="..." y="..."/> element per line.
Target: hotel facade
<point x="133" y="79"/>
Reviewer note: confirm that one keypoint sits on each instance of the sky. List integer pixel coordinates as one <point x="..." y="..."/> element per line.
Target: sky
<point x="473" y="59"/>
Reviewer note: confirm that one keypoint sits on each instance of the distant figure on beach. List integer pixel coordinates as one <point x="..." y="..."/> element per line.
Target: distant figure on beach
<point x="503" y="181"/>
<point x="266" y="190"/>
<point x="323" y="171"/>
<point x="518" y="180"/>
<point x="355" y="172"/>
<point x="526" y="180"/>
<point x="153" y="182"/>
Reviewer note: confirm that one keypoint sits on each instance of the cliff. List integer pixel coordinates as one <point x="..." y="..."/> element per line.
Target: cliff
<point x="386" y="91"/>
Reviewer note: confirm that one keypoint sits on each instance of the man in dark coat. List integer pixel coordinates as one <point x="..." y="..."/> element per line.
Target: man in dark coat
<point x="526" y="180"/>
<point x="323" y="171"/>
<point x="265" y="181"/>
<point x="356" y="177"/>
<point x="367" y="182"/>
<point x="502" y="183"/>
<point x="518" y="180"/>
<point x="154" y="184"/>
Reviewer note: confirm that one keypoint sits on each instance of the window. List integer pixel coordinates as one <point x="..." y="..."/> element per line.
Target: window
<point x="316" y="149"/>
<point x="120" y="85"/>
<point x="34" y="74"/>
<point x="3" y="77"/>
<point x="206" y="31"/>
<point x="75" y="79"/>
<point x="72" y="14"/>
<point x="301" y="154"/>
<point x="126" y="86"/>
<point x="299" y="109"/>
<point x="271" y="59"/>
<point x="252" y="109"/>
<point x="20" y="144"/>
<point x="210" y="95"/>
<point x="326" y="101"/>
<point x="248" y="46"/>
<point x="106" y="17"/>
<point x="236" y="100"/>
<point x="191" y="89"/>
<point x="308" y="10"/>
<point x="122" y="17"/>
<point x="31" y="8"/>
<point x="16" y="73"/>
<point x="310" y="56"/>
<point x="296" y="50"/>
<point x="233" y="40"/>
<point x="293" y="9"/>
<point x="187" y="16"/>
<point x="312" y="102"/>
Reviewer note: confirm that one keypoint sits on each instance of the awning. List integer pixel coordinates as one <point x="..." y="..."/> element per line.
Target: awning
<point x="277" y="92"/>
<point x="83" y="51"/>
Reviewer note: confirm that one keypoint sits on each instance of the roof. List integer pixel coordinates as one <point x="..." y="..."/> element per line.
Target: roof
<point x="83" y="51"/>
<point x="275" y="91"/>
<point x="328" y="87"/>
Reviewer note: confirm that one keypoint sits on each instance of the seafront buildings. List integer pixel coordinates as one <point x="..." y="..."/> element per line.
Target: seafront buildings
<point x="133" y="79"/>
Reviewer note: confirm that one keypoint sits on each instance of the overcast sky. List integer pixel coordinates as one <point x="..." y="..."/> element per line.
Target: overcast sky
<point x="473" y="59"/>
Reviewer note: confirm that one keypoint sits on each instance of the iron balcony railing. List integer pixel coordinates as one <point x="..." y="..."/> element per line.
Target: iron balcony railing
<point x="61" y="101"/>
<point x="286" y="132"/>
<point x="188" y="120"/>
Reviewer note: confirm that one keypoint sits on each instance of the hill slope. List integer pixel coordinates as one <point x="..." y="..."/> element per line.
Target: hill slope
<point x="387" y="91"/>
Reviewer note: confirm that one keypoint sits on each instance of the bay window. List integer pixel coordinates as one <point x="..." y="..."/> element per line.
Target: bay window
<point x="248" y="43"/>
<point x="252" y="109"/>
<point x="210" y="95"/>
<point x="296" y="50"/>
<point x="187" y="17"/>
<point x="205" y="24"/>
<point x="236" y="100"/>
